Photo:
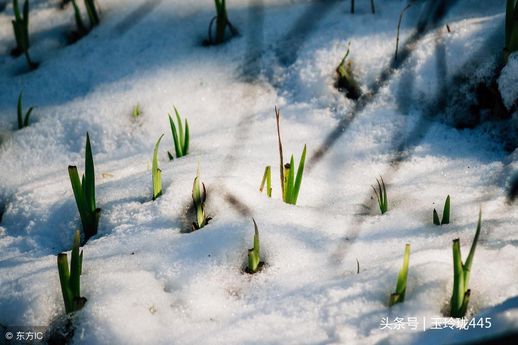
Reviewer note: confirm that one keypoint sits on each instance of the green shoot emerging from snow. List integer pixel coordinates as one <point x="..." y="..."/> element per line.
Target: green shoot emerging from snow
<point x="23" y="121"/>
<point x="156" y="172"/>
<point x="222" y="23"/>
<point x="290" y="184"/>
<point x="445" y="213"/>
<point x="180" y="137"/>
<point x="381" y="195"/>
<point x="70" y="279"/>
<point x="199" y="195"/>
<point x="81" y="28"/>
<point x="84" y="193"/>
<point x="136" y="111"/>
<point x="267" y="179"/>
<point x="21" y="32"/>
<point x="346" y="81"/>
<point x="254" y="254"/>
<point x="511" y="28"/>
<point x="461" y="274"/>
<point x="93" y="16"/>
<point x="399" y="295"/>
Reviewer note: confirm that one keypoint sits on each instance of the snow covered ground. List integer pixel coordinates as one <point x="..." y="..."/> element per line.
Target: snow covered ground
<point x="147" y="281"/>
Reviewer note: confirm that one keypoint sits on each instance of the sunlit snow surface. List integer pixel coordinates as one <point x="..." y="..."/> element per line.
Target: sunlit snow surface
<point x="148" y="282"/>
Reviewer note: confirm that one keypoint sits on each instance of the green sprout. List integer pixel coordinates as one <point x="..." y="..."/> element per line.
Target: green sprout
<point x="511" y="28"/>
<point x="199" y="195"/>
<point x="70" y="279"/>
<point x="23" y="121"/>
<point x="180" y="137"/>
<point x="399" y="295"/>
<point x="445" y="213"/>
<point x="81" y="28"/>
<point x="381" y="195"/>
<point x="254" y="254"/>
<point x="21" y="32"/>
<point x="136" y="111"/>
<point x="461" y="274"/>
<point x="156" y="172"/>
<point x="84" y="193"/>
<point x="267" y="179"/>
<point x="346" y="81"/>
<point x="290" y="185"/>
<point x="222" y="23"/>
<point x="93" y="16"/>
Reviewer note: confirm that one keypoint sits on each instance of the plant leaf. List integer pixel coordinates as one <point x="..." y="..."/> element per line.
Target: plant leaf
<point x="403" y="274"/>
<point x="64" y="276"/>
<point x="186" y="142"/>
<point x="75" y="267"/>
<point x="78" y="194"/>
<point x="20" y="111"/>
<point x="181" y="137"/>
<point x="298" y="179"/>
<point x="26" y="122"/>
<point x="436" y="220"/>
<point x="177" y="147"/>
<point x="469" y="259"/>
<point x="89" y="176"/>
<point x="446" y="211"/>
<point x="290" y="181"/>
<point x="385" y="201"/>
<point x="156" y="172"/>
<point x="458" y="280"/>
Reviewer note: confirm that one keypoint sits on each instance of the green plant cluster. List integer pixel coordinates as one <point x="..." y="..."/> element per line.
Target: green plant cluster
<point x="290" y="182"/>
<point x="23" y="119"/>
<point x="70" y="279"/>
<point x="21" y="32"/>
<point x="222" y="23"/>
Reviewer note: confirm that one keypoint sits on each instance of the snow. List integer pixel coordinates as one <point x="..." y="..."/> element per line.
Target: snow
<point x="508" y="80"/>
<point x="147" y="280"/>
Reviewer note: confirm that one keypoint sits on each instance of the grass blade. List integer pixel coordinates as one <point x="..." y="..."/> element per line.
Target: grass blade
<point x="177" y="147"/>
<point x="81" y="28"/>
<point x="446" y="211"/>
<point x="298" y="179"/>
<point x="458" y="280"/>
<point x="20" y="111"/>
<point x="78" y="194"/>
<point x="281" y="167"/>
<point x="403" y="274"/>
<point x="291" y="179"/>
<point x="267" y="179"/>
<point x="399" y="295"/>
<point x="75" y="267"/>
<point x="186" y="141"/>
<point x="89" y="176"/>
<point x="64" y="276"/>
<point x="436" y="220"/>
<point x="254" y="256"/>
<point x="469" y="259"/>
<point x="181" y="138"/>
<point x="385" y="201"/>
<point x="156" y="173"/>
<point x="27" y="120"/>
<point x="199" y="195"/>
